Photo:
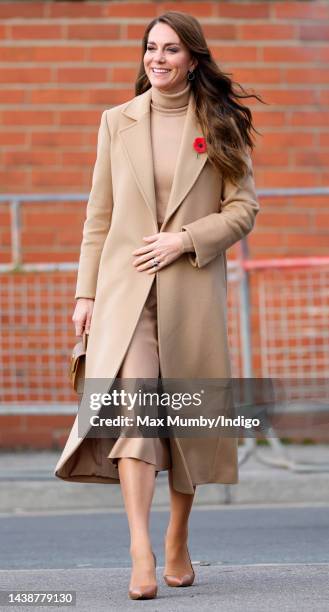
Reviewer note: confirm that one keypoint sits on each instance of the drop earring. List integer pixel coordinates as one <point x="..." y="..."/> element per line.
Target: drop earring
<point x="190" y="75"/>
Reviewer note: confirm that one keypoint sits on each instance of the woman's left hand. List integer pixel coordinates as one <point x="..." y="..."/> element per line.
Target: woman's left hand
<point x="164" y="246"/>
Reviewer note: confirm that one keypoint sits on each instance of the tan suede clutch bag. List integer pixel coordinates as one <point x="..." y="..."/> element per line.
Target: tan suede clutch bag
<point x="77" y="364"/>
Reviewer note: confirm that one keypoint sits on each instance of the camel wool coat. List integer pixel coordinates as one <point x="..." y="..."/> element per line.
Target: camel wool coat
<point x="191" y="291"/>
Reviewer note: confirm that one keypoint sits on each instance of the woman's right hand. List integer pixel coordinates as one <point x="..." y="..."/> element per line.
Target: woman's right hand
<point x="82" y="315"/>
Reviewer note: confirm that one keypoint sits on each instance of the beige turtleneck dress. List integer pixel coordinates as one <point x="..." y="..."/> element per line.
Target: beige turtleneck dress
<point x="168" y="113"/>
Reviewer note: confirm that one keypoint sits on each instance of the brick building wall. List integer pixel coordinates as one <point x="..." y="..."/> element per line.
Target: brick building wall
<point x="63" y="63"/>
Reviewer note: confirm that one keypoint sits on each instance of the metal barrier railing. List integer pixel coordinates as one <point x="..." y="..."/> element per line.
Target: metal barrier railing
<point x="293" y="308"/>
<point x="306" y="311"/>
<point x="15" y="201"/>
<point x="37" y="336"/>
<point x="20" y="302"/>
<point x="307" y="279"/>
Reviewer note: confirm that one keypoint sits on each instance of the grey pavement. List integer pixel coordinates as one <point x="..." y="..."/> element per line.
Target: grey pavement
<point x="234" y="588"/>
<point x="245" y="559"/>
<point x="258" y="546"/>
<point x="218" y="535"/>
<point x="27" y="483"/>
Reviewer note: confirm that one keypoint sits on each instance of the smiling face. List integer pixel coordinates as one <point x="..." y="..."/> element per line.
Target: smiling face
<point x="167" y="59"/>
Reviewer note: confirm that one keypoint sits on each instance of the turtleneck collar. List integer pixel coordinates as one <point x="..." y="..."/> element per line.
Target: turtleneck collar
<point x="162" y="101"/>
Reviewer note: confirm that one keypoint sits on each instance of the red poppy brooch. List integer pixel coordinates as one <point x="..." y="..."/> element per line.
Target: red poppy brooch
<point x="200" y="145"/>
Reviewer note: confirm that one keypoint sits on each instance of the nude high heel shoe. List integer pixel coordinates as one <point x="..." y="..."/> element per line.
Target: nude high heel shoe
<point x="181" y="581"/>
<point x="144" y="591"/>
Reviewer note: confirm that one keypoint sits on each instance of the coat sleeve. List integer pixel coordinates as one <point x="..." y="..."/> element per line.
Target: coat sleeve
<point x="217" y="232"/>
<point x="187" y="242"/>
<point x="98" y="216"/>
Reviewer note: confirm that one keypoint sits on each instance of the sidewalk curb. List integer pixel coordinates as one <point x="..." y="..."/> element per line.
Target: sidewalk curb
<point x="25" y="487"/>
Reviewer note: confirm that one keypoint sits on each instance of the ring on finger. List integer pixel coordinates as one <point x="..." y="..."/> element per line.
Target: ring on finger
<point x="155" y="262"/>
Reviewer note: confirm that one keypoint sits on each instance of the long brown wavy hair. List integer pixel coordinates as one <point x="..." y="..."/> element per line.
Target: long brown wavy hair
<point x="225" y="122"/>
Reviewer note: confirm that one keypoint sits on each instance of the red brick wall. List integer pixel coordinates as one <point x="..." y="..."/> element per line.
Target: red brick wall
<point x="31" y="431"/>
<point x="62" y="63"/>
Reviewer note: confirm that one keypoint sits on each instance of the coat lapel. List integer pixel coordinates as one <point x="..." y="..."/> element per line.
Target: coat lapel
<point x="188" y="165"/>
<point x="136" y="139"/>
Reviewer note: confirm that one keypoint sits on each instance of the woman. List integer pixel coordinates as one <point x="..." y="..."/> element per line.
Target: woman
<point x="172" y="189"/>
